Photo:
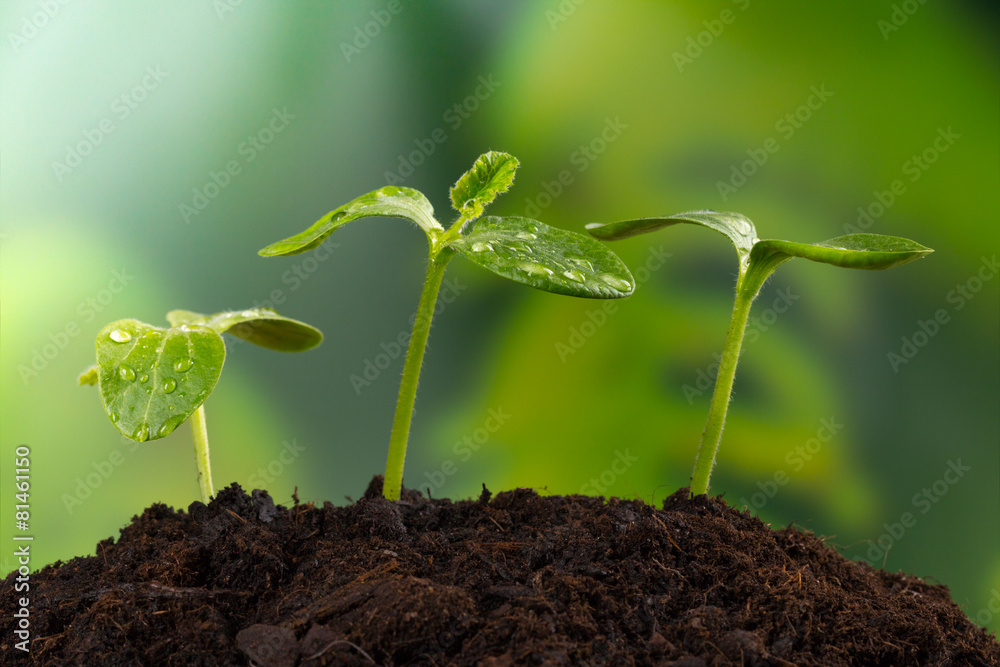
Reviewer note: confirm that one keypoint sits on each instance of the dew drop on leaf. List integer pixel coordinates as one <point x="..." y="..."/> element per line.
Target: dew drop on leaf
<point x="169" y="385"/>
<point x="141" y="434"/>
<point x="535" y="269"/>
<point x="478" y="246"/>
<point x="120" y="336"/>
<point x="126" y="373"/>
<point x="575" y="275"/>
<point x="617" y="283"/>
<point x="526" y="236"/>
<point x="581" y="263"/>
<point x="115" y="416"/>
<point x="143" y="377"/>
<point x="182" y="365"/>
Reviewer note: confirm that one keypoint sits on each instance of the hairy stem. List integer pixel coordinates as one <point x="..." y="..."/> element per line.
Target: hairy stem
<point x="200" y="432"/>
<point x="712" y="434"/>
<point x="393" y="481"/>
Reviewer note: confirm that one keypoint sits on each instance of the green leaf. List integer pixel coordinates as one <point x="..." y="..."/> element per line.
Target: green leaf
<point x="854" y="251"/>
<point x="490" y="176"/>
<point x="261" y="326"/>
<point x="89" y="376"/>
<point x="555" y="260"/>
<point x="735" y="226"/>
<point x="152" y="379"/>
<point x="390" y="202"/>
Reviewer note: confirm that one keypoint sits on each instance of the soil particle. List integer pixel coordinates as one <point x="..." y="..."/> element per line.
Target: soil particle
<point x="510" y="579"/>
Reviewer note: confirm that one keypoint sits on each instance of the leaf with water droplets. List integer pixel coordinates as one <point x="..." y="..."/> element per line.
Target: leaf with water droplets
<point x="491" y="175"/>
<point x="390" y="202"/>
<point x="546" y="258"/>
<point x="261" y="326"/>
<point x="735" y="226"/>
<point x="137" y="375"/>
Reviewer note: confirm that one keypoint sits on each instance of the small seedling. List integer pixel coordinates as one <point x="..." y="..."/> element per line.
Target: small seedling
<point x="152" y="379"/>
<point x="519" y="249"/>
<point x="758" y="260"/>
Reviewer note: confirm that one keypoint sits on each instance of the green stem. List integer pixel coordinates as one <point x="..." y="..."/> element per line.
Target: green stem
<point x="200" y="432"/>
<point x="393" y="481"/>
<point x="710" y="437"/>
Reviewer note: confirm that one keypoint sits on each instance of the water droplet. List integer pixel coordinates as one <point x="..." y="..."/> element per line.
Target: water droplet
<point x="143" y="377"/>
<point x="115" y="417"/>
<point x="120" y="336"/>
<point x="535" y="269"/>
<point x="181" y="394"/>
<point x="169" y="385"/>
<point x="526" y="236"/>
<point x="581" y="263"/>
<point x="521" y="247"/>
<point x="141" y="434"/>
<point x="575" y="275"/>
<point x="617" y="283"/>
<point x="126" y="373"/>
<point x="168" y="426"/>
<point x="148" y="389"/>
<point x="481" y="247"/>
<point x="182" y="365"/>
<point x="200" y="397"/>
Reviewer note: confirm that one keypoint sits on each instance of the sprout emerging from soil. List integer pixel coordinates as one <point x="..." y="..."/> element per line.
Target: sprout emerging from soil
<point x="516" y="248"/>
<point x="152" y="379"/>
<point x="758" y="260"/>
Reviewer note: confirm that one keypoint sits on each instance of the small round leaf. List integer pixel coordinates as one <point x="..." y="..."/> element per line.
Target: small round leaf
<point x="152" y="379"/>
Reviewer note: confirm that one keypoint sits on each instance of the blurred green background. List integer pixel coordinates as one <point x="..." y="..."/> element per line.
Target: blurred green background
<point x="149" y="150"/>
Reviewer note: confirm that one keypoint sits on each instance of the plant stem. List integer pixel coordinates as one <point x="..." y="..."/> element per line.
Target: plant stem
<point x="710" y="437"/>
<point x="393" y="480"/>
<point x="200" y="432"/>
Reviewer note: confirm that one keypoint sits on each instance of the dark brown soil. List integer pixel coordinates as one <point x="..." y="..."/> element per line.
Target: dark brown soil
<point x="518" y="579"/>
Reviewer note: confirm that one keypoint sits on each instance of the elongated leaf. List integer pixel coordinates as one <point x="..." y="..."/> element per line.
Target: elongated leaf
<point x="491" y="175"/>
<point x="735" y="226"/>
<point x="261" y="326"/>
<point x="390" y="202"/>
<point x="152" y="379"/>
<point x="854" y="251"/>
<point x="555" y="260"/>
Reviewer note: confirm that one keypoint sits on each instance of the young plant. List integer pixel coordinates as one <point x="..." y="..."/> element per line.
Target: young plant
<point x="519" y="249"/>
<point x="152" y="379"/>
<point x="758" y="259"/>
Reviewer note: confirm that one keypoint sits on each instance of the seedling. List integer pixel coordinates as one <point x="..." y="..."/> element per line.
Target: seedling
<point x="152" y="379"/>
<point x="519" y="249"/>
<point x="758" y="260"/>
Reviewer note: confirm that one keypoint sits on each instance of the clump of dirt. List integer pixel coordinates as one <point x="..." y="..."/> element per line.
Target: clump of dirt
<point x="515" y="579"/>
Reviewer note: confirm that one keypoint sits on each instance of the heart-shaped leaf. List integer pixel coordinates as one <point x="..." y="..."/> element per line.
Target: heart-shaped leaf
<point x="390" y="202"/>
<point x="555" y="260"/>
<point x="152" y="379"/>
<point x="261" y="326"/>
<point x="854" y="251"/>
<point x="735" y="226"/>
<point x="491" y="175"/>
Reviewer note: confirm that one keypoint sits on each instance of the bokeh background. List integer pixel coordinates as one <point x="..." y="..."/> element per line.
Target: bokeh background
<point x="150" y="149"/>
